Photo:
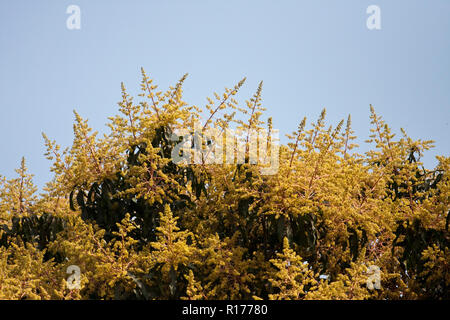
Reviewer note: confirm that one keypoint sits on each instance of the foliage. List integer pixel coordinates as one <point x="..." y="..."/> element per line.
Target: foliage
<point x="142" y="226"/>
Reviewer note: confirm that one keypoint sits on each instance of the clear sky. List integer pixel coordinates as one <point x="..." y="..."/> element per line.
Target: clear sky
<point x="310" y="54"/>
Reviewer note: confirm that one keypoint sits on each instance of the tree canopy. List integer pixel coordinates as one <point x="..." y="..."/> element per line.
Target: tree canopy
<point x="140" y="225"/>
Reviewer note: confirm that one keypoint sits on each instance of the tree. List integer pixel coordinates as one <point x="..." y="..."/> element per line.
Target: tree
<point x="140" y="225"/>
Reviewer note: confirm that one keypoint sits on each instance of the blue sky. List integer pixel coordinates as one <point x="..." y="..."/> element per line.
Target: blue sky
<point x="310" y="54"/>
